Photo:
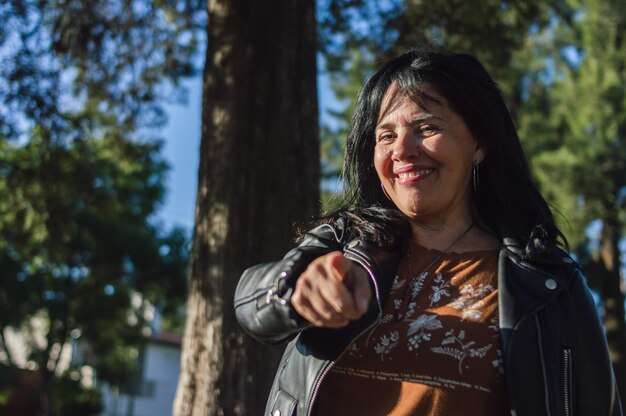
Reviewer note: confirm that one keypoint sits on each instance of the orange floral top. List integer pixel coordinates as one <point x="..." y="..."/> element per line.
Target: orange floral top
<point x="436" y="350"/>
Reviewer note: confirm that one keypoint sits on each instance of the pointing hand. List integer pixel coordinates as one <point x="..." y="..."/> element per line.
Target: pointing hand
<point x="332" y="291"/>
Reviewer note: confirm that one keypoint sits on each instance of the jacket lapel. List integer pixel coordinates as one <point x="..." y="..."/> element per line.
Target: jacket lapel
<point x="524" y="288"/>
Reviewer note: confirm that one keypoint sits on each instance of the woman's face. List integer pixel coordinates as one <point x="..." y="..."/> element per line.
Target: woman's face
<point x="424" y="158"/>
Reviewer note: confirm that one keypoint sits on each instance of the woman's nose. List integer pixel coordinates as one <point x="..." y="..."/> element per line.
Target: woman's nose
<point x="405" y="146"/>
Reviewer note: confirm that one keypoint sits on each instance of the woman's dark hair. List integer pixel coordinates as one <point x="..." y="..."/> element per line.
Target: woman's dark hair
<point x="507" y="200"/>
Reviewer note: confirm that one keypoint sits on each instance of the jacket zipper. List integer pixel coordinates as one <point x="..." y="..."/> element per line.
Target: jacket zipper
<point x="568" y="366"/>
<point x="544" y="372"/>
<point x="376" y="321"/>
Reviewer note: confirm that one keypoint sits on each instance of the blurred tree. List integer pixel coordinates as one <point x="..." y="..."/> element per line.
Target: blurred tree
<point x="259" y="174"/>
<point x="583" y="166"/>
<point x="80" y="177"/>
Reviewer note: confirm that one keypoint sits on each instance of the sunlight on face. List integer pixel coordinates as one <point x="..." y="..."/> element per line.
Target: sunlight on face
<point x="424" y="157"/>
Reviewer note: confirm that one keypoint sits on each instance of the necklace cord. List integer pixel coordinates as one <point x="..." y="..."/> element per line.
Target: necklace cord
<point x="406" y="296"/>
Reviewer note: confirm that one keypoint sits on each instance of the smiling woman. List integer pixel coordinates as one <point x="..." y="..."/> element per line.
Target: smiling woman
<point x="430" y="291"/>
<point x="424" y="156"/>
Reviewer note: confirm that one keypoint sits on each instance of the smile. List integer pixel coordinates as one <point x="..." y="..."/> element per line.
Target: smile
<point x="414" y="174"/>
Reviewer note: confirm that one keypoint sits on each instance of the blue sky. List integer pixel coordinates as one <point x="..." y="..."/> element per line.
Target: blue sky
<point x="182" y="147"/>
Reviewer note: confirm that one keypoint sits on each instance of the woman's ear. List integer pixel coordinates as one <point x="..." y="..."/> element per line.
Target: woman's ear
<point x="479" y="155"/>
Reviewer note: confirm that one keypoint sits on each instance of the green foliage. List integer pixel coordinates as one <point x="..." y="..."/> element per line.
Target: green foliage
<point x="580" y="134"/>
<point x="81" y="175"/>
<point x="492" y="30"/>
<point x="71" y="66"/>
<point x="76" y="235"/>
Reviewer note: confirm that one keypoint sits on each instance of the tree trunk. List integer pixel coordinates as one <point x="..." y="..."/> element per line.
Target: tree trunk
<point x="613" y="297"/>
<point x="258" y="176"/>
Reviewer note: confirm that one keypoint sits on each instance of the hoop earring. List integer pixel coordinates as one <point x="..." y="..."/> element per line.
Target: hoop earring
<point x="385" y="192"/>
<point x="475" y="176"/>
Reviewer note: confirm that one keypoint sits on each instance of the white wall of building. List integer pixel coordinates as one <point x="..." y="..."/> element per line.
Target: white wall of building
<point x="161" y="367"/>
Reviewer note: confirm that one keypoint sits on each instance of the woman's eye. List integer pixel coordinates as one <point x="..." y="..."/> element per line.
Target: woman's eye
<point x="426" y="130"/>
<point x="385" y="137"/>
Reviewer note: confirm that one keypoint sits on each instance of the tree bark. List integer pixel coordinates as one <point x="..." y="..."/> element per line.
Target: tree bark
<point x="613" y="297"/>
<point x="258" y="176"/>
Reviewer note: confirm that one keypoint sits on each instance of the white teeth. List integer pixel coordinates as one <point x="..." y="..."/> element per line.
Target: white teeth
<point x="407" y="175"/>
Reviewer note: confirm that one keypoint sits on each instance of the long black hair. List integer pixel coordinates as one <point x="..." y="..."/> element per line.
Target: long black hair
<point x="507" y="201"/>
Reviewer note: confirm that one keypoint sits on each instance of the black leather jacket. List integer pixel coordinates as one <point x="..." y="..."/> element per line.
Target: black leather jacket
<point x="555" y="353"/>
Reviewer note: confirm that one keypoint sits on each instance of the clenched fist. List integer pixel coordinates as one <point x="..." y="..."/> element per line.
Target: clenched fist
<point x="332" y="291"/>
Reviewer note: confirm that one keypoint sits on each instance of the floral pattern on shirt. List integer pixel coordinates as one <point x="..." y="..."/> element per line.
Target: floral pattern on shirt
<point x="457" y="347"/>
<point x="471" y="301"/>
<point x="499" y="362"/>
<point x="397" y="283"/>
<point x="417" y="284"/>
<point x="386" y="344"/>
<point x="439" y="288"/>
<point x="438" y="328"/>
<point x="418" y="330"/>
<point x="494" y="325"/>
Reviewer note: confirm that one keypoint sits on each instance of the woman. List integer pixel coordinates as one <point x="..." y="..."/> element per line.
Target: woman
<point x="439" y="287"/>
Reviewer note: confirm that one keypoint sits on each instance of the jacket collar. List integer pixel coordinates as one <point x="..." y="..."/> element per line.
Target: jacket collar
<point x="526" y="286"/>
